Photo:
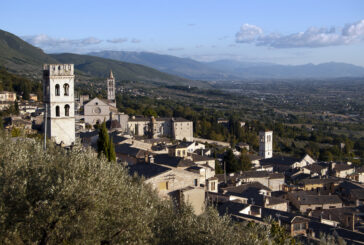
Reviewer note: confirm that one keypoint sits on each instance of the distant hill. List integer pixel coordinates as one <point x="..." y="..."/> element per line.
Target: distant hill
<point x="22" y="58"/>
<point x="232" y="70"/>
<point x="100" y="67"/>
<point x="270" y="70"/>
<point x="184" y="67"/>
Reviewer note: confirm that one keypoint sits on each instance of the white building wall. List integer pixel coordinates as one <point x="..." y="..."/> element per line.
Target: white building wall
<point x="176" y="178"/>
<point x="266" y="144"/>
<point x="61" y="128"/>
<point x="275" y="184"/>
<point x="183" y="130"/>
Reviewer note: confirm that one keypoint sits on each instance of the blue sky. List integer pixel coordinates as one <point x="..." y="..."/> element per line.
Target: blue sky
<point x="278" y="31"/>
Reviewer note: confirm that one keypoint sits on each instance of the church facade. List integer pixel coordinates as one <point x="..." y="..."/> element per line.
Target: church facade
<point x="98" y="110"/>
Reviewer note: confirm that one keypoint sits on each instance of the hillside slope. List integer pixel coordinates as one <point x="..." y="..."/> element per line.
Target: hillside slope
<point x="22" y="58"/>
<point x="233" y="70"/>
<point x="183" y="67"/>
<point x="100" y="67"/>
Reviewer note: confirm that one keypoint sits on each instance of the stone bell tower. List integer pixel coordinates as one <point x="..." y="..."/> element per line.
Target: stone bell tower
<point x="58" y="98"/>
<point x="111" y="89"/>
<point x="266" y="144"/>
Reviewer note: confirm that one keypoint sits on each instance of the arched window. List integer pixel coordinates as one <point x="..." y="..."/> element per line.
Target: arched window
<point x="57" y="111"/>
<point x="66" y="88"/>
<point x="57" y="90"/>
<point x="67" y="110"/>
<point x="59" y="68"/>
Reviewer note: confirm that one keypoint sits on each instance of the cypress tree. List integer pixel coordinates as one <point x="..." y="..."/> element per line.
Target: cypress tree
<point x="16" y="107"/>
<point x="105" y="145"/>
<point x="103" y="141"/>
<point x="112" y="154"/>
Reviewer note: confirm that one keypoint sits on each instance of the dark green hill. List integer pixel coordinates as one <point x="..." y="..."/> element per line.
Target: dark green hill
<point x="20" y="57"/>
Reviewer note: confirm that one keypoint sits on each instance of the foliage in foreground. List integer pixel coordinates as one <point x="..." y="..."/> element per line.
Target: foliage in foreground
<point x="73" y="197"/>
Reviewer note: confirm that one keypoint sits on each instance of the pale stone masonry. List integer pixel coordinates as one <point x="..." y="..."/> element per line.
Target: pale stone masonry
<point x="177" y="128"/>
<point x="111" y="89"/>
<point x="266" y="144"/>
<point x="6" y="96"/>
<point x="58" y="94"/>
<point x="98" y="110"/>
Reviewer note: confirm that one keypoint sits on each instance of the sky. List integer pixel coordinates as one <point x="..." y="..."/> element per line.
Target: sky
<point x="277" y="31"/>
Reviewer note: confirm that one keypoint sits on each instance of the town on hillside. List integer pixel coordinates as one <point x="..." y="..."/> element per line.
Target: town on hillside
<point x="307" y="196"/>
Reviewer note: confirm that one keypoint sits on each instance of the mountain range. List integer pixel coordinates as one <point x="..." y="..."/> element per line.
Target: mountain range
<point x="231" y="69"/>
<point x="23" y="58"/>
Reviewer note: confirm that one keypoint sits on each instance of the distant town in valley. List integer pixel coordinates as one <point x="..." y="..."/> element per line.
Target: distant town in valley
<point x="115" y="147"/>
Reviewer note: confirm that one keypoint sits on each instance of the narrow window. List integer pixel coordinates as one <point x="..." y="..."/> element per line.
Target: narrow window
<point x="57" y="111"/>
<point x="196" y="182"/>
<point x="57" y="90"/>
<point x="212" y="186"/>
<point x="67" y="110"/>
<point x="66" y="88"/>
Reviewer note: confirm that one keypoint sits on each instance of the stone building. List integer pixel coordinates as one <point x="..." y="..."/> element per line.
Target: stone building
<point x="58" y="94"/>
<point x="98" y="110"/>
<point x="266" y="144"/>
<point x="6" y="96"/>
<point x="308" y="201"/>
<point x="172" y="182"/>
<point x="177" y="128"/>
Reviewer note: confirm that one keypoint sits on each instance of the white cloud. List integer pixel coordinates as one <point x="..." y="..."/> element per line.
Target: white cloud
<point x="248" y="33"/>
<point x="354" y="30"/>
<point x="117" y="40"/>
<point x="134" y="40"/>
<point x="313" y="37"/>
<point x="60" y="44"/>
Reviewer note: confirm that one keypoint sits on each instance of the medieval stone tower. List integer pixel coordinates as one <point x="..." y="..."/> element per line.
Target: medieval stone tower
<point x="58" y="97"/>
<point x="266" y="144"/>
<point x="111" y="89"/>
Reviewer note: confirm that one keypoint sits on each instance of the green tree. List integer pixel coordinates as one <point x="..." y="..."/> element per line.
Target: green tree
<point x="112" y="154"/>
<point x="326" y="156"/>
<point x="244" y="161"/>
<point x="104" y="144"/>
<point x="16" y="107"/>
<point x="231" y="162"/>
<point x="62" y="196"/>
<point x="16" y="132"/>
